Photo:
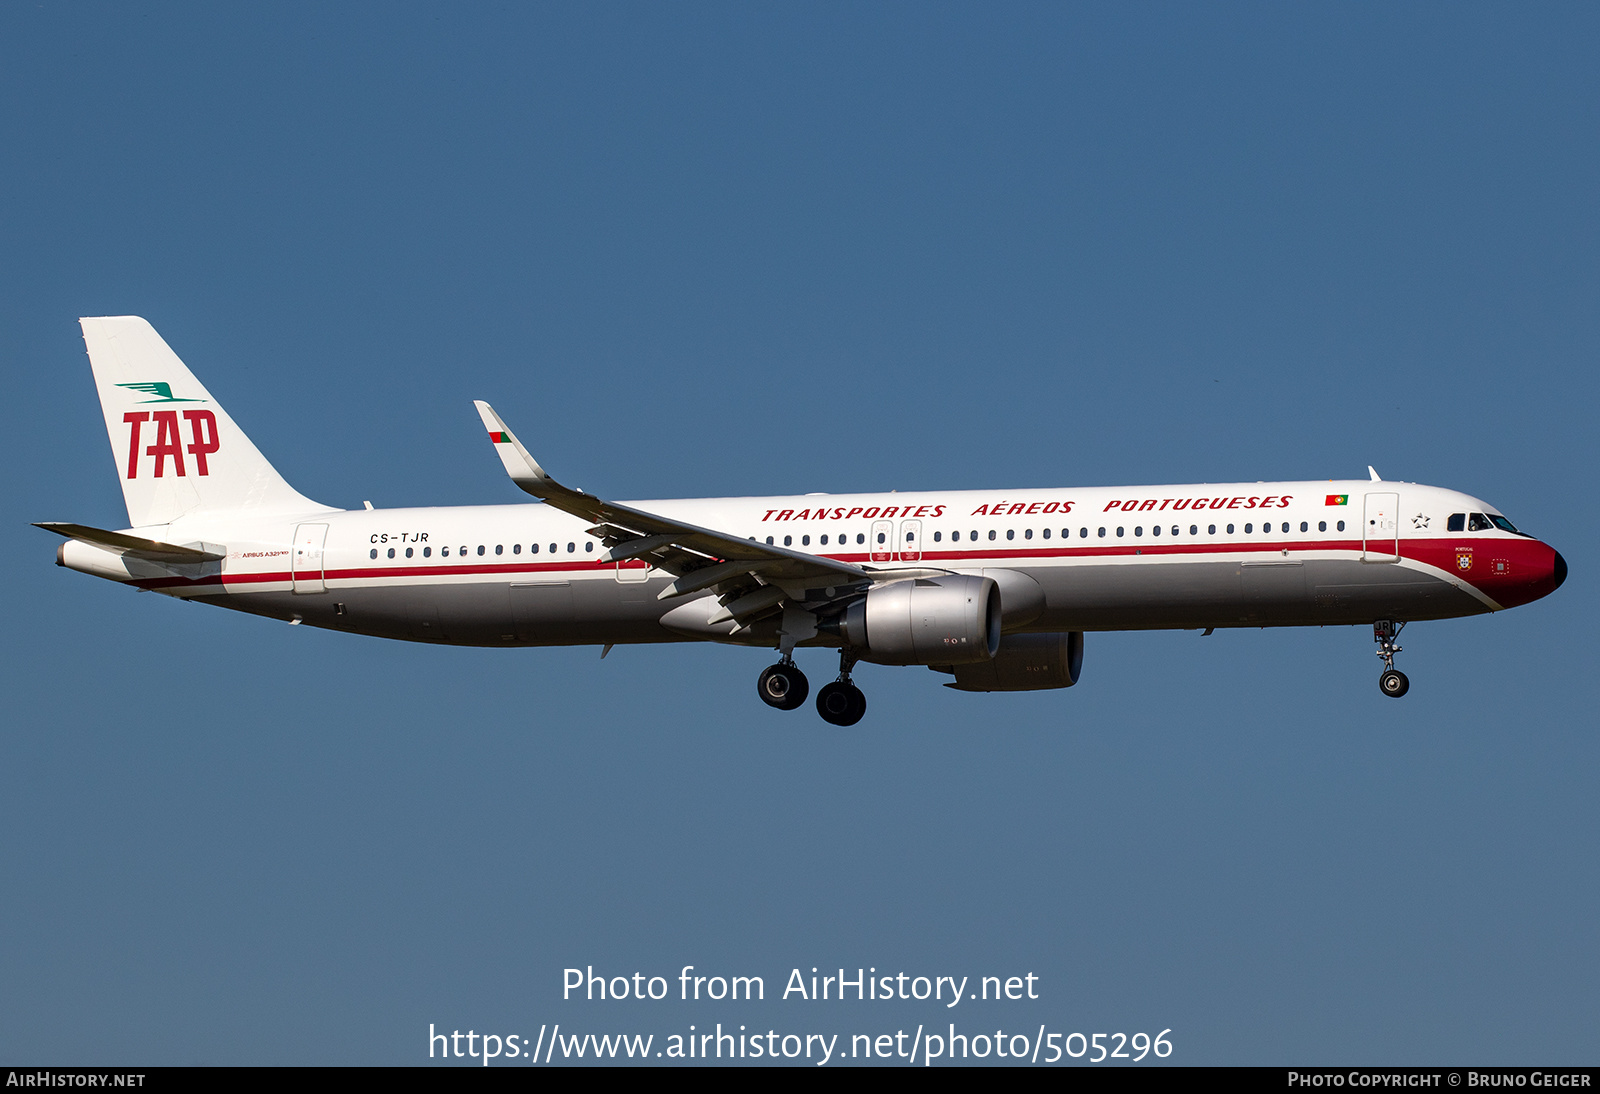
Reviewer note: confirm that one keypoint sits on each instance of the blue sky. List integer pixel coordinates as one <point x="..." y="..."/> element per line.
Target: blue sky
<point x="744" y="249"/>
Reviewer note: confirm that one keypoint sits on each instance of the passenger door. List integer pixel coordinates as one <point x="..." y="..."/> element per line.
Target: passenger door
<point x="1380" y="532"/>
<point x="305" y="566"/>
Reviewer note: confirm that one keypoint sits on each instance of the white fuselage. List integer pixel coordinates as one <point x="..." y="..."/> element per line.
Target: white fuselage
<point x="1257" y="554"/>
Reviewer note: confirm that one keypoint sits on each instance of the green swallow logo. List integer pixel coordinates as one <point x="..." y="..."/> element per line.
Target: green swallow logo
<point x="161" y="391"/>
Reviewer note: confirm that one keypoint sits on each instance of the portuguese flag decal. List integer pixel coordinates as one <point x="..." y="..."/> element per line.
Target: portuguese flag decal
<point x="1333" y="499"/>
<point x="505" y="438"/>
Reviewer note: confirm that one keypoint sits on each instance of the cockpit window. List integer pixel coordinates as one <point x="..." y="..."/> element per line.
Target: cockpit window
<point x="1502" y="523"/>
<point x="1477" y="522"/>
<point x="1456" y="523"/>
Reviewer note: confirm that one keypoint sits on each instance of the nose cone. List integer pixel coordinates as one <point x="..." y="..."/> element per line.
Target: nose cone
<point x="1544" y="577"/>
<point x="1533" y="569"/>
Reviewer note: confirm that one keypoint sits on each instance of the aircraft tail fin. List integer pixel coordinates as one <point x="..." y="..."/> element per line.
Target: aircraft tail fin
<point x="177" y="451"/>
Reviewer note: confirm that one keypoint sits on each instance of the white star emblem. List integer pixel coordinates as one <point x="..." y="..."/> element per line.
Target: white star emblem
<point x="1419" y="521"/>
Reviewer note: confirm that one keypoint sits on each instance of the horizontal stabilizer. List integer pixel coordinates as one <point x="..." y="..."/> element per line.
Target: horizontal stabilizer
<point x="135" y="546"/>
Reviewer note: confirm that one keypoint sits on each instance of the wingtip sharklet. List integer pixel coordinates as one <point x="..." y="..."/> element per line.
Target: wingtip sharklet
<point x="519" y="464"/>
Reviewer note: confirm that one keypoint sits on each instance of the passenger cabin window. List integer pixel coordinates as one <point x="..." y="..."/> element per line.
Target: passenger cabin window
<point x="408" y="552"/>
<point x="571" y="547"/>
<point x="936" y="536"/>
<point x="499" y="548"/>
<point x="374" y="553"/>
<point x="1322" y="526"/>
<point x="481" y="549"/>
<point x="1456" y="523"/>
<point x="1477" y="522"/>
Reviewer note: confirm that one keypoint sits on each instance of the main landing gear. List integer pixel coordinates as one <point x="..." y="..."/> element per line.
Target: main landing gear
<point x="841" y="702"/>
<point x="785" y="687"/>
<point x="1393" y="682"/>
<point x="782" y="685"/>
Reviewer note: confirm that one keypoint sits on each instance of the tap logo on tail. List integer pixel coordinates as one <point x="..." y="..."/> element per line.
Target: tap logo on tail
<point x="162" y="392"/>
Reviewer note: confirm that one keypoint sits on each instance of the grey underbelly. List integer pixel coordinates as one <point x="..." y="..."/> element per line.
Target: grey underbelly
<point x="1087" y="597"/>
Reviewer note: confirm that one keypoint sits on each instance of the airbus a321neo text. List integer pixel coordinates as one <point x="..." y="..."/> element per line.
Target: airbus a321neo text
<point x="993" y="588"/>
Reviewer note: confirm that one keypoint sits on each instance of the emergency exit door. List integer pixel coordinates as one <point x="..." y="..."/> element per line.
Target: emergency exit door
<point x="882" y="545"/>
<point x="911" y="541"/>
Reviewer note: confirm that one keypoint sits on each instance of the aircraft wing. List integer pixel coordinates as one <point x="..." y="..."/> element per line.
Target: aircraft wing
<point x="702" y="558"/>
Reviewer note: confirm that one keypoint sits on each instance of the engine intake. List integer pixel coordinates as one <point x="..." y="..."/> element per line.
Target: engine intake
<point x="946" y="621"/>
<point x="1025" y="662"/>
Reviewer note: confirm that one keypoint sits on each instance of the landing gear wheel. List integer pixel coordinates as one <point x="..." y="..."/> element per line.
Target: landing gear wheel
<point x="1393" y="682"/>
<point x="782" y="686"/>
<point x="841" y="703"/>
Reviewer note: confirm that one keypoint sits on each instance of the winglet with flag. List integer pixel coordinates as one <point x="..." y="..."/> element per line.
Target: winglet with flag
<point x="523" y="468"/>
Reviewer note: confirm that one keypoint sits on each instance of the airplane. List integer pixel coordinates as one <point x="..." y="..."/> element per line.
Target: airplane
<point x="993" y="588"/>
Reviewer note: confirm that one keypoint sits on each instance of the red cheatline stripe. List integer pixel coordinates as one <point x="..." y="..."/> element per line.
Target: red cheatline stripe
<point x="1416" y="550"/>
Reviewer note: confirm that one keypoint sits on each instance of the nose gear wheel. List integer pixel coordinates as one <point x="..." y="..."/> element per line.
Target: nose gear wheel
<point x="1393" y="682"/>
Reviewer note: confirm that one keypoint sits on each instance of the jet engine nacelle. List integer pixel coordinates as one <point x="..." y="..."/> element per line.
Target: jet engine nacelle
<point x="1025" y="662"/>
<point x="945" y="621"/>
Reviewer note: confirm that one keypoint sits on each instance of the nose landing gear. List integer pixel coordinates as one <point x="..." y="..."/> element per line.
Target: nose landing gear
<point x="841" y="702"/>
<point x="1393" y="682"/>
<point x="782" y="685"/>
